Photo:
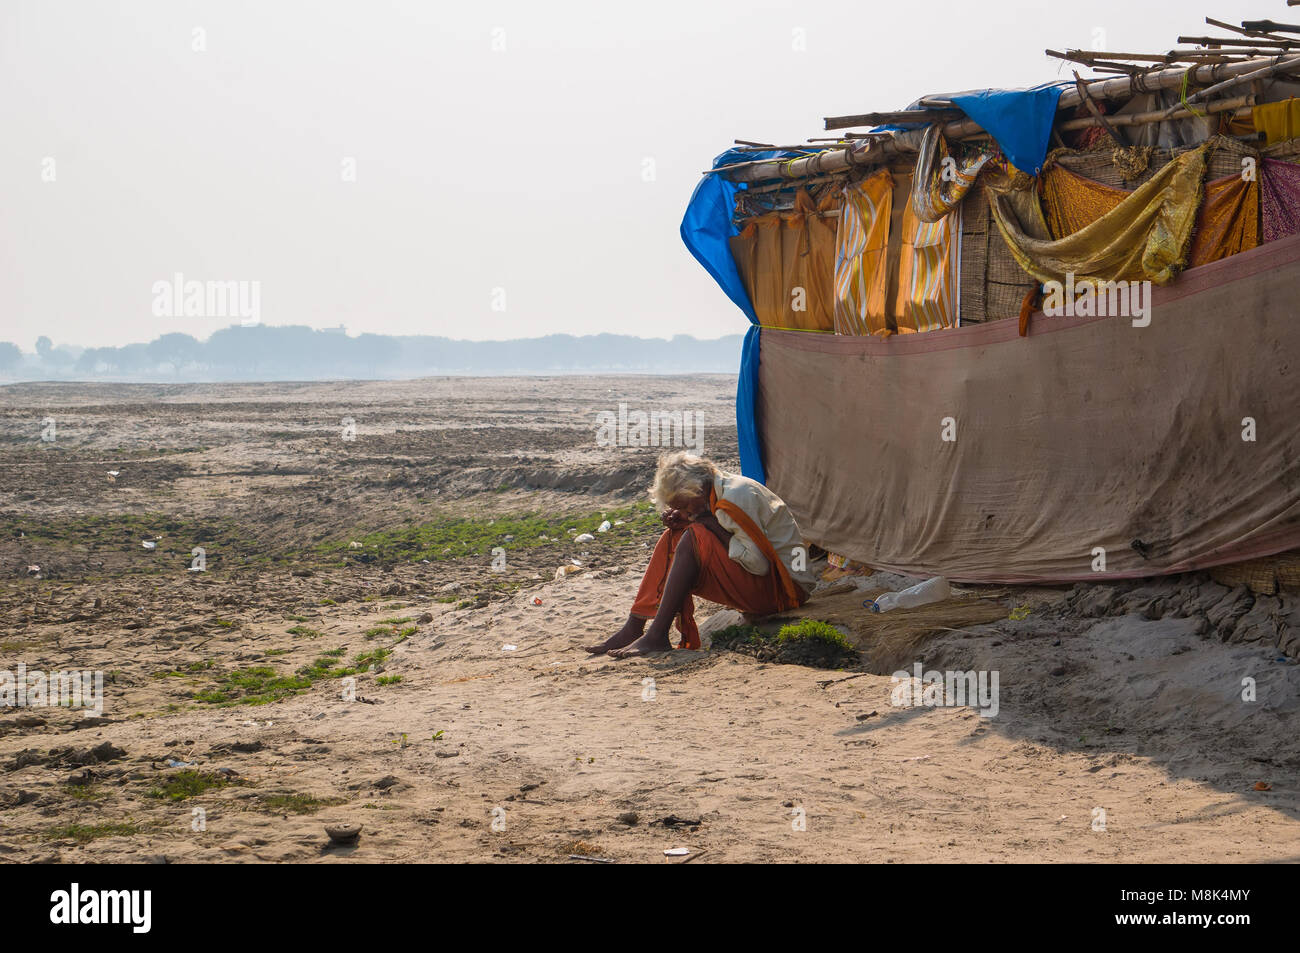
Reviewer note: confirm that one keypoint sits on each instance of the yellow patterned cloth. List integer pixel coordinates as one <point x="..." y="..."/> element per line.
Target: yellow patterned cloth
<point x="1278" y="121"/>
<point x="861" y="248"/>
<point x="1144" y="237"/>
<point x="928" y="266"/>
<point x="1227" y="222"/>
<point x="1072" y="202"/>
<point x="940" y="181"/>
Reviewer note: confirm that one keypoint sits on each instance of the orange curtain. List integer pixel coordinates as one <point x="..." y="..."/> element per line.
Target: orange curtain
<point x="1228" y="221"/>
<point x="787" y="262"/>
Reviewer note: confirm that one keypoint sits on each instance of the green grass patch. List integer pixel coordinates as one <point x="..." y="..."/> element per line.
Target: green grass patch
<point x="388" y="679"/>
<point x="814" y="631"/>
<point x="224" y="542"/>
<point x="258" y="685"/>
<point x="304" y="632"/>
<point x="374" y="657"/>
<point x="188" y="783"/>
<point x="85" y="833"/>
<point x="807" y="642"/>
<point x="456" y="537"/>
<point x="298" y="803"/>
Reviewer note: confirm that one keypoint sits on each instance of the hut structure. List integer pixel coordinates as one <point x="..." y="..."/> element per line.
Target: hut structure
<point x="1031" y="335"/>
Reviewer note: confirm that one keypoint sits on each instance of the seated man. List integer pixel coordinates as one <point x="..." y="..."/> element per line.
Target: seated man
<point x="729" y="539"/>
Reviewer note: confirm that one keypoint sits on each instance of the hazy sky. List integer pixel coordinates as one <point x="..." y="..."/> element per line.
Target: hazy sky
<point x="476" y="168"/>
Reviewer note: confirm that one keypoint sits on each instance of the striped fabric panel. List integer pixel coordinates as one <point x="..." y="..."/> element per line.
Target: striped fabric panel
<point x="861" y="242"/>
<point x="929" y="272"/>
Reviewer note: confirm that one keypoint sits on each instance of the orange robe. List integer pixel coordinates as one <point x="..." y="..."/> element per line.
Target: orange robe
<point x="721" y="580"/>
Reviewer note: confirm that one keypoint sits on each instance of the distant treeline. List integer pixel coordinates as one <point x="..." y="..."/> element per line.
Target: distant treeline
<point x="296" y="352"/>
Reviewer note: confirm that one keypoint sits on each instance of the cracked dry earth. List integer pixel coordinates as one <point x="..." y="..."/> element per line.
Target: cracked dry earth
<point x="481" y="731"/>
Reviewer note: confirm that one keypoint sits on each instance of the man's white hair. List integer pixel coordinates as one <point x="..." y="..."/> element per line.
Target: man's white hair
<point x="681" y="474"/>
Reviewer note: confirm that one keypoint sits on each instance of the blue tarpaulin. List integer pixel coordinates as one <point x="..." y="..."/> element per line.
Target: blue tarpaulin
<point x="1020" y="120"/>
<point x="706" y="230"/>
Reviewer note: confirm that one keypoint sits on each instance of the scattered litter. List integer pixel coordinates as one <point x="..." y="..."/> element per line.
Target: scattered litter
<point x="355" y="545"/>
<point x="173" y="763"/>
<point x="113" y="475"/>
<point x="149" y="544"/>
<point x="603" y="527"/>
<point x="1019" y="612"/>
<point x="923" y="593"/>
<point x="508" y="648"/>
<point x="594" y="860"/>
<point x="677" y="852"/>
<point x="33" y="570"/>
<point x="536" y="601"/>
<point x="618" y="522"/>
<point x="563" y="571"/>
<point x="1263" y="786"/>
<point x="584" y="538"/>
<point x="919" y="757"/>
<point x="508" y="539"/>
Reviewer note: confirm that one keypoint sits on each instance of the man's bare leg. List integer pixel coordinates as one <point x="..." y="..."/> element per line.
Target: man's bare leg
<point x="682" y="576"/>
<point x="630" y="632"/>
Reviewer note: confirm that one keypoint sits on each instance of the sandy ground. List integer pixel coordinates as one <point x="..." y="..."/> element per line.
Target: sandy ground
<point x="486" y="734"/>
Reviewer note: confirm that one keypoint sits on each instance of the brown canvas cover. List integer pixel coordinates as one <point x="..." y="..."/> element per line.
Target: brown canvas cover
<point x="1087" y="433"/>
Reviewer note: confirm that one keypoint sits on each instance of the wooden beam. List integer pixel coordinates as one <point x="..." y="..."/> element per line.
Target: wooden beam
<point x="1268" y="26"/>
<point x="895" y="116"/>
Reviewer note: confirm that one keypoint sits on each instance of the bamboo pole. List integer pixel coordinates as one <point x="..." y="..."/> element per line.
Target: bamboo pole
<point x="1268" y="26"/>
<point x="1157" y="115"/>
<point x="876" y="151"/>
<point x="898" y="115"/>
<point x="1250" y="41"/>
<point x="1088" y="57"/>
<point x="1281" y="66"/>
<point x="1235" y="29"/>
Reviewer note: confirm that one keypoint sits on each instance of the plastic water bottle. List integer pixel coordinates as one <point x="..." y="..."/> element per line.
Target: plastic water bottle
<point x="923" y="593"/>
